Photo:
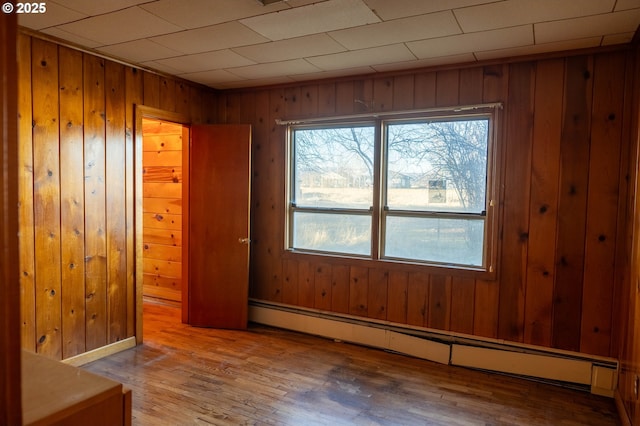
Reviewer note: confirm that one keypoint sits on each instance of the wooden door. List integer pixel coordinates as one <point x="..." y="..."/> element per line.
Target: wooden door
<point x="219" y="186"/>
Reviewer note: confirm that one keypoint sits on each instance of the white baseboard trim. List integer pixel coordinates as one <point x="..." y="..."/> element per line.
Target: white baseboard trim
<point x="101" y="352"/>
<point x="597" y="374"/>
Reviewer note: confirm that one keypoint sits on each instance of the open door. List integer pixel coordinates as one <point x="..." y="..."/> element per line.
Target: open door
<point x="219" y="191"/>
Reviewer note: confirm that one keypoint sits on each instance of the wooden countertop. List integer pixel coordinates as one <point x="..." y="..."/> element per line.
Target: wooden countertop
<point x="53" y="391"/>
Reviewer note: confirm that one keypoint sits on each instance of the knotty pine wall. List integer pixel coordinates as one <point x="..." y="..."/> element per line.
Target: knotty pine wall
<point x="76" y="129"/>
<point x="162" y="209"/>
<point x="563" y="144"/>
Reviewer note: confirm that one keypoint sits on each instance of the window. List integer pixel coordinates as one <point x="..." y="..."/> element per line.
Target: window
<point x="415" y="189"/>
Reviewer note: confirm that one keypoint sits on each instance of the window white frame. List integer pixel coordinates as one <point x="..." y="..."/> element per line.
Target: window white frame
<point x="378" y="213"/>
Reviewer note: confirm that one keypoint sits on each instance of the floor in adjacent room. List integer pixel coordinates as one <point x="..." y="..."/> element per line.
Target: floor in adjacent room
<point x="183" y="375"/>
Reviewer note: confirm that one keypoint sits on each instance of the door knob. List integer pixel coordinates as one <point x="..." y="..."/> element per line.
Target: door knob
<point x="244" y="240"/>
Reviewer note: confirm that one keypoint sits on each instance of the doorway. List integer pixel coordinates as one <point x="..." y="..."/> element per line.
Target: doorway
<point x="161" y="210"/>
<point x="163" y="169"/>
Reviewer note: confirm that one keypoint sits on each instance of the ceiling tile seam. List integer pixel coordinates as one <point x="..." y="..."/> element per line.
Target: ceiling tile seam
<point x="57" y="26"/>
<point x="148" y="39"/>
<point x="539" y="21"/>
<point x="203" y="26"/>
<point x="453" y="12"/>
<point x="415" y="57"/>
<point x="106" y="13"/>
<point x="187" y="55"/>
<point x="396" y="42"/>
<point x="254" y="31"/>
<point x="333" y="38"/>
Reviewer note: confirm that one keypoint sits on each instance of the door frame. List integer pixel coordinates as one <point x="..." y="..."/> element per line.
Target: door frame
<point x="141" y="112"/>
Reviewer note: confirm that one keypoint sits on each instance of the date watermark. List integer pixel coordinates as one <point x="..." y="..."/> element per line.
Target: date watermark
<point x="38" y="7"/>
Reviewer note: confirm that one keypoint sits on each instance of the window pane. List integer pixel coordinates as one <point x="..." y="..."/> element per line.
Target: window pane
<point x="333" y="167"/>
<point x="339" y="233"/>
<point x="457" y="241"/>
<point x="438" y="165"/>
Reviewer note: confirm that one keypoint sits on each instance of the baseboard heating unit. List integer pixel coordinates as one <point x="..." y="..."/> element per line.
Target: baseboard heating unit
<point x="595" y="374"/>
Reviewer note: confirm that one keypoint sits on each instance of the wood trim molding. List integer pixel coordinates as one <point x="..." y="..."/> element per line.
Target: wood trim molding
<point x="101" y="352"/>
<point x="622" y="412"/>
<point x="10" y="355"/>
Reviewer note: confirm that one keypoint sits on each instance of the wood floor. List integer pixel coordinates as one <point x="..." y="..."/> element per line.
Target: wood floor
<point x="188" y="376"/>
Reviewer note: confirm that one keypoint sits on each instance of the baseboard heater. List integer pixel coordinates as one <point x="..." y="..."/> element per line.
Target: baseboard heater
<point x="595" y="374"/>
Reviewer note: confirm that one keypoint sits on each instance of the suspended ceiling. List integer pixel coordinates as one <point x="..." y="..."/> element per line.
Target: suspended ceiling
<point x="243" y="43"/>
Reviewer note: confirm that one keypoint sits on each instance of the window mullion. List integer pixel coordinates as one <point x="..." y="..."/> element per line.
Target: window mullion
<point x="376" y="225"/>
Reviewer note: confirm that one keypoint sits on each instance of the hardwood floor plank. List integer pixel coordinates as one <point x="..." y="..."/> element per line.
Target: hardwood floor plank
<point x="184" y="375"/>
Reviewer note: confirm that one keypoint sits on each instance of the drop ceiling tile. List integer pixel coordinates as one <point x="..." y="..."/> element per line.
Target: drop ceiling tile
<point x="210" y="78"/>
<point x="282" y="50"/>
<point x="97" y="7"/>
<point x="298" y="3"/>
<point x="397" y="31"/>
<point x="590" y="26"/>
<point x="159" y="67"/>
<point x="55" y="15"/>
<point x="402" y="8"/>
<point x="218" y="59"/>
<point x="511" y="13"/>
<point x="312" y="19"/>
<point x="430" y="62"/>
<point x="540" y="48"/>
<point x="274" y="69"/>
<point x="364" y="57"/>
<point x="70" y="38"/>
<point x="139" y="51"/>
<point x="258" y="82"/>
<point x="121" y="26"/>
<point x="621" y="38"/>
<point x="465" y="43"/>
<point x="333" y="74"/>
<point x="204" y="13"/>
<point x="627" y="4"/>
<point x="215" y="37"/>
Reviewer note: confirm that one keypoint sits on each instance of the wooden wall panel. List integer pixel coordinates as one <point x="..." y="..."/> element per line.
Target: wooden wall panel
<point x="418" y="299"/>
<point x="462" y="301"/>
<point x="306" y="285"/>
<point x="358" y="291"/>
<point x="397" y="297"/>
<point x="377" y="293"/>
<point x="545" y="133"/>
<point x="115" y="196"/>
<point x="545" y="177"/>
<point x="25" y="197"/>
<point x="76" y="117"/>
<point x="602" y="205"/>
<point x="95" y="203"/>
<point x="134" y="86"/>
<point x="340" y="289"/>
<point x="46" y="197"/>
<point x="322" y="281"/>
<point x="574" y="163"/>
<point x="439" y="302"/>
<point x="162" y="207"/>
<point x="72" y="202"/>
<point x="515" y="222"/>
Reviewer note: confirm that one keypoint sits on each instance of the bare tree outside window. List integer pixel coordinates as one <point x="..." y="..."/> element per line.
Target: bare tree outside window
<point x="453" y="152"/>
